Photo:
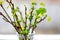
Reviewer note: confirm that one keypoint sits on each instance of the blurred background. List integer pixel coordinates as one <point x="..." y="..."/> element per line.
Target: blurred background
<point x="45" y="27"/>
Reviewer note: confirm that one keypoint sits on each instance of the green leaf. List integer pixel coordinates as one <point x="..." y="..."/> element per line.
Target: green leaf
<point x="30" y="18"/>
<point x="1" y="2"/>
<point x="13" y="14"/>
<point x="22" y="27"/>
<point x="42" y="4"/>
<point x="37" y="16"/>
<point x="34" y="3"/>
<point x="41" y="11"/>
<point x="9" y="6"/>
<point x="25" y="32"/>
<point x="16" y="23"/>
<point x="49" y="18"/>
<point x="38" y="11"/>
<point x="32" y="25"/>
<point x="15" y="10"/>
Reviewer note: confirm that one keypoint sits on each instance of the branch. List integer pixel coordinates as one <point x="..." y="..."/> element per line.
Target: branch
<point x="17" y="29"/>
<point x="34" y="25"/>
<point x="25" y="16"/>
<point x="15" y="26"/>
<point x="19" y="25"/>
<point x="10" y="3"/>
<point x="6" y="12"/>
<point x="42" y="19"/>
<point x="32" y="16"/>
<point x="6" y="20"/>
<point x="38" y="22"/>
<point x="4" y="17"/>
<point x="20" y="14"/>
<point x="12" y="23"/>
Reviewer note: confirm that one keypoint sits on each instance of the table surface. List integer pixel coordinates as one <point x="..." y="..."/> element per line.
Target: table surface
<point x="35" y="37"/>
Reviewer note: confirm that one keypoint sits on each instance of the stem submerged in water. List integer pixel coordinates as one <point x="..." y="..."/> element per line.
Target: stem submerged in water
<point x="24" y="37"/>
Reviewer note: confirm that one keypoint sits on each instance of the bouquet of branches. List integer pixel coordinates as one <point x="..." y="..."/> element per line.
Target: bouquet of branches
<point x="21" y="25"/>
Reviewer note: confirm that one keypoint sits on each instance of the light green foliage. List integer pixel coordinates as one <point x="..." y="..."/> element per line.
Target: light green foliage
<point x="34" y="2"/>
<point x="49" y="18"/>
<point x="25" y="32"/>
<point x="9" y="6"/>
<point x="14" y="12"/>
<point x="1" y="2"/>
<point x="37" y="17"/>
<point x="30" y="18"/>
<point x="41" y="11"/>
<point x="16" y="23"/>
<point x="22" y="27"/>
<point x="35" y="23"/>
<point x="42" y="4"/>
<point x="27" y="15"/>
<point x="32" y="25"/>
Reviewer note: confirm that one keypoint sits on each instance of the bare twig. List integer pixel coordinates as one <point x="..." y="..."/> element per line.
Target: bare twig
<point x="12" y="23"/>
<point x="38" y="22"/>
<point x="25" y="16"/>
<point x="42" y="19"/>
<point x="34" y="25"/>
<point x="4" y="17"/>
<point x="21" y="14"/>
<point x="10" y="3"/>
<point x="6" y="12"/>
<point x="19" y="25"/>
<point x="32" y="16"/>
<point x="6" y="20"/>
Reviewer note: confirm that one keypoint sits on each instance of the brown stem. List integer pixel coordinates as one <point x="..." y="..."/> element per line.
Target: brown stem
<point x="25" y="16"/>
<point x="4" y="17"/>
<point x="12" y="23"/>
<point x="34" y="25"/>
<point x="38" y="22"/>
<point x="6" y="20"/>
<point x="10" y="3"/>
<point x="6" y="12"/>
<point x="32" y="16"/>
<point x="42" y="19"/>
<point x="17" y="27"/>
<point x="20" y="14"/>
<point x="25" y="37"/>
